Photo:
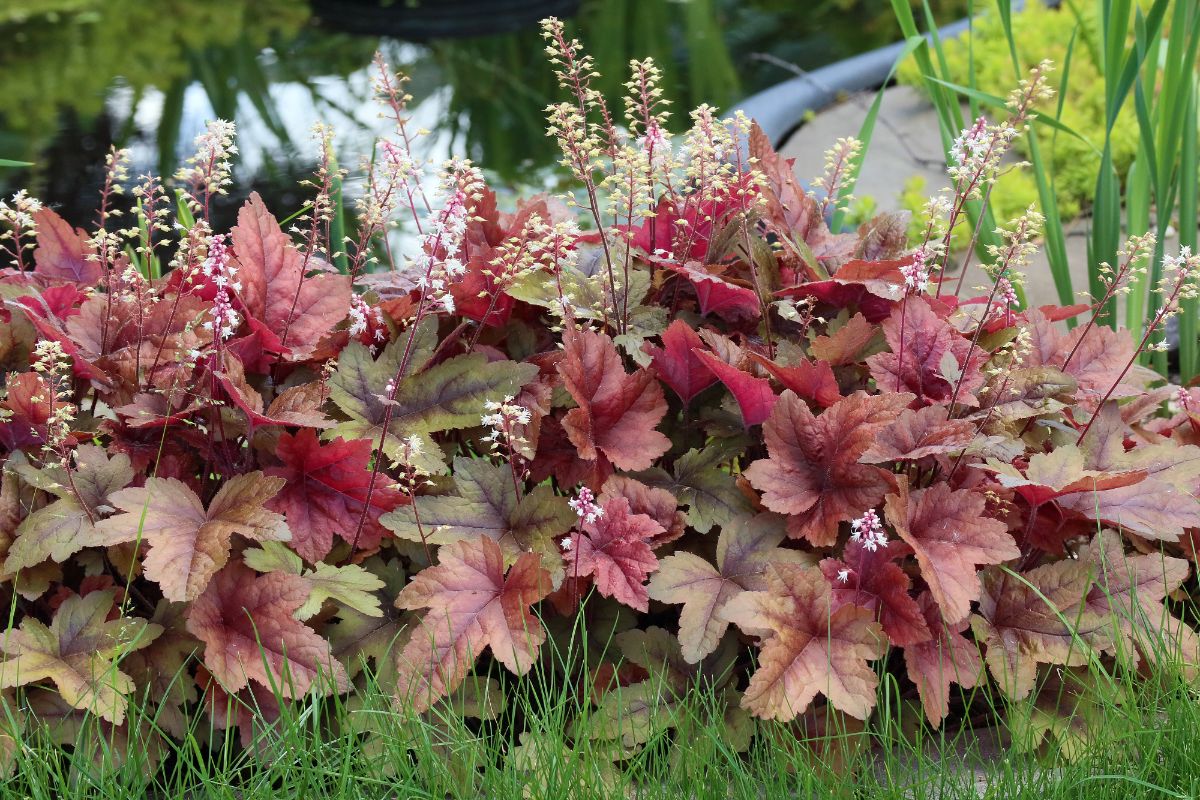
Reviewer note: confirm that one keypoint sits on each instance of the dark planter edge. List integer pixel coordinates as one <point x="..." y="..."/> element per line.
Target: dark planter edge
<point x="780" y="109"/>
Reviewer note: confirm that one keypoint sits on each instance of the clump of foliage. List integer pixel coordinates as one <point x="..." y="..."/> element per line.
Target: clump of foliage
<point x="757" y="455"/>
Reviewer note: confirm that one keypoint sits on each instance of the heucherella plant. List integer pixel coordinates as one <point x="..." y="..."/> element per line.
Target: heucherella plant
<point x="764" y="457"/>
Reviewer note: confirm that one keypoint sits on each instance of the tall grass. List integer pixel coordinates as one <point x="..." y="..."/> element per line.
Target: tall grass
<point x="1124" y="740"/>
<point x="1147" y="54"/>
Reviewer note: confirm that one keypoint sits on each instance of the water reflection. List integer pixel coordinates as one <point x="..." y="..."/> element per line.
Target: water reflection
<point x="79" y="75"/>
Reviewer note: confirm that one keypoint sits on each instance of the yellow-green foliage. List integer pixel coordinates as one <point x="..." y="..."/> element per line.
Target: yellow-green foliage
<point x="52" y="48"/>
<point x="1044" y="33"/>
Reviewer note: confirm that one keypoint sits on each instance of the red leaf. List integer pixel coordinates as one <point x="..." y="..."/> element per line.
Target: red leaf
<point x="326" y="491"/>
<point x="917" y="434"/>
<point x="615" y="551"/>
<point x="62" y="252"/>
<point x="472" y="605"/>
<point x="947" y="657"/>
<point x="300" y="308"/>
<point x="658" y="504"/>
<point x="717" y="295"/>
<point x="26" y="408"/>
<point x="677" y="364"/>
<point x="812" y="380"/>
<point x="871" y="286"/>
<point x="875" y="582"/>
<point x="617" y="411"/>
<point x="246" y="624"/>
<point x="923" y="348"/>
<point x="754" y="395"/>
<point x="813" y="471"/>
<point x="950" y="534"/>
<point x="846" y="344"/>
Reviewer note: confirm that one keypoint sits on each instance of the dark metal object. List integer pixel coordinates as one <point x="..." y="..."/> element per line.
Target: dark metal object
<point x="422" y="20"/>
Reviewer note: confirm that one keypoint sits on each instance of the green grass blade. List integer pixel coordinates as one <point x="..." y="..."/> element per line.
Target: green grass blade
<point x="1137" y="222"/>
<point x="865" y="133"/>
<point x="999" y="102"/>
<point x="1188" y="190"/>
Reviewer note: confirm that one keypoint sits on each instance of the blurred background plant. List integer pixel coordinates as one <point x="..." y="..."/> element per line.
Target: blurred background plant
<point x="81" y="75"/>
<point x="1120" y="146"/>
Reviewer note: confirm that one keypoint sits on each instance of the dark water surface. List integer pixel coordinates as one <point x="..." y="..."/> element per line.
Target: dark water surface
<point x="77" y="76"/>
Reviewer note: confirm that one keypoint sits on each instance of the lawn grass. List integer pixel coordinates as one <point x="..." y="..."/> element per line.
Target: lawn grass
<point x="1128" y="742"/>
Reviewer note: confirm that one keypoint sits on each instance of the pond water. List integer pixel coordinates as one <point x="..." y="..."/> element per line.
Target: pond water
<point x="78" y="76"/>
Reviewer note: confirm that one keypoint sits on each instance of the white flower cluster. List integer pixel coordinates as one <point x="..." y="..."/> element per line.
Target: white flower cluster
<point x="868" y="529"/>
<point x="584" y="505"/>
<point x="216" y="267"/>
<point x="17" y="217"/>
<point x="53" y="365"/>
<point x="506" y="419"/>
<point x="209" y="171"/>
<point x="362" y="315"/>
<point x="439" y="264"/>
<point x="916" y="272"/>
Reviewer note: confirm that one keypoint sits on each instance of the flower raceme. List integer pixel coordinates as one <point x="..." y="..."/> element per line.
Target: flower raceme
<point x="769" y="452"/>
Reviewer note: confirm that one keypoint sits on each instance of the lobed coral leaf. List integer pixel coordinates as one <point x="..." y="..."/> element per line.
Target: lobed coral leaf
<point x="300" y="308"/>
<point x="1037" y="617"/>
<point x="928" y="357"/>
<point x="812" y="473"/>
<point x="617" y="411"/>
<point x="250" y="633"/>
<point x="947" y="657"/>
<point x="472" y="605"/>
<point x="744" y="551"/>
<point x="615" y="551"/>
<point x="189" y="545"/>
<point x="872" y="580"/>
<point x="62" y="251"/>
<point x="807" y="647"/>
<point x="950" y="535"/>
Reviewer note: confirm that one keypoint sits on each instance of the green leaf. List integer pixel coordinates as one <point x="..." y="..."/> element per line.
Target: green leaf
<point x="486" y="505"/>
<point x="710" y="492"/>
<point x="350" y="586"/>
<point x="999" y="102"/>
<point x="8" y="162"/>
<point x="448" y="396"/>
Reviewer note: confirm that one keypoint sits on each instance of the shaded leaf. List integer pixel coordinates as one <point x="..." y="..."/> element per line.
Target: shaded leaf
<point x="948" y="657"/>
<point x="676" y="362"/>
<point x="248" y="625"/>
<point x="350" y="586"/>
<point x="1019" y="629"/>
